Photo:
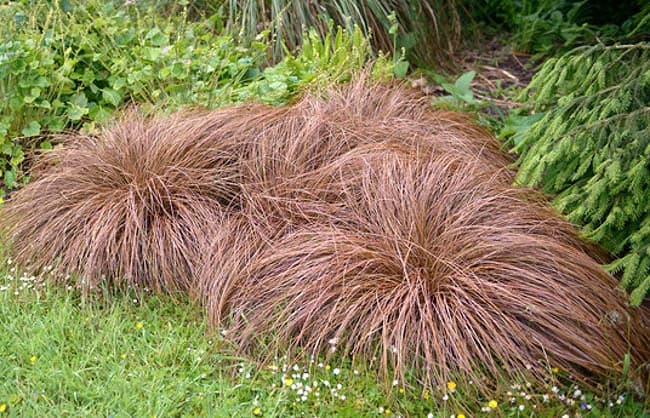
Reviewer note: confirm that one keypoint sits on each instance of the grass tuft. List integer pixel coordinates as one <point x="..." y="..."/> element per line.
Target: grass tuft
<point x="128" y="205"/>
<point x="430" y="31"/>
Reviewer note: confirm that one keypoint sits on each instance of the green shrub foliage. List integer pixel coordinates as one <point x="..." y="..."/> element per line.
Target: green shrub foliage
<point x="547" y="27"/>
<point x="70" y="65"/>
<point x="61" y="69"/>
<point x="589" y="145"/>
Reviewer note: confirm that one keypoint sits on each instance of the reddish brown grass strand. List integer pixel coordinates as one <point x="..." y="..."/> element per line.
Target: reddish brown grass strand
<point x="444" y="270"/>
<point x="321" y="127"/>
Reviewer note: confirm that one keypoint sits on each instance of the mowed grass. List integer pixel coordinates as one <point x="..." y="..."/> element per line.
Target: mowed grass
<point x="123" y="355"/>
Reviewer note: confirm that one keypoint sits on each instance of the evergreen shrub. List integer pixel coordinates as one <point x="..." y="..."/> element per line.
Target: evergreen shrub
<point x="588" y="144"/>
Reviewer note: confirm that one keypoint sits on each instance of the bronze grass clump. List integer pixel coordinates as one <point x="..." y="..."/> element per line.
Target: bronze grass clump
<point x="128" y="205"/>
<point x="432" y="264"/>
<point x="318" y="129"/>
<point x="359" y="215"/>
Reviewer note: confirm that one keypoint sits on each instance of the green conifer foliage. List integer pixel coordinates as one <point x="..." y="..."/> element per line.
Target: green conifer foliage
<point x="590" y="148"/>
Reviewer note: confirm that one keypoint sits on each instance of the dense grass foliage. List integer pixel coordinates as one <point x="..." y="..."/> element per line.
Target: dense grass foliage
<point x="588" y="145"/>
<point x="365" y="212"/>
<point x="430" y="31"/>
<point x="384" y="228"/>
<point x="71" y="68"/>
<point x="130" y="204"/>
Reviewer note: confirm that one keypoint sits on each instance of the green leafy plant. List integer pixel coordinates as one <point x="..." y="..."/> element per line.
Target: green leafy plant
<point x="334" y="58"/>
<point x="460" y="92"/>
<point x="461" y="97"/>
<point x="546" y="27"/>
<point x="67" y="69"/>
<point x="589" y="146"/>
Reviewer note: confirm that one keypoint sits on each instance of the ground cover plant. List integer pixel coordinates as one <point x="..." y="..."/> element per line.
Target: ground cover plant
<point x="64" y="69"/>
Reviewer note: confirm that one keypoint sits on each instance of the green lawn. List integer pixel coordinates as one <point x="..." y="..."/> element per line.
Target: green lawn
<point x="121" y="356"/>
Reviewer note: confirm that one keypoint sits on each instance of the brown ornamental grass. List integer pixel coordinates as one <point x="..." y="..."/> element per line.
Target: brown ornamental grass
<point x="128" y="205"/>
<point x="433" y="266"/>
<point x="358" y="215"/>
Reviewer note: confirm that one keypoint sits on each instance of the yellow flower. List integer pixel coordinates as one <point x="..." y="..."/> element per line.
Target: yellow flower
<point x="460" y="416"/>
<point x="493" y="404"/>
<point x="32" y="359"/>
<point x="327" y="367"/>
<point x="139" y="325"/>
<point x="401" y="390"/>
<point x="388" y="411"/>
<point x="556" y="370"/>
<point x="3" y="407"/>
<point x="272" y="367"/>
<point x="288" y="382"/>
<point x="257" y="411"/>
<point x="451" y="386"/>
<point x="426" y="395"/>
<point x="122" y="356"/>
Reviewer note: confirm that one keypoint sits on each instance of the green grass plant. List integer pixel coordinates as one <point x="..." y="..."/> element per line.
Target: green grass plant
<point x="429" y="30"/>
